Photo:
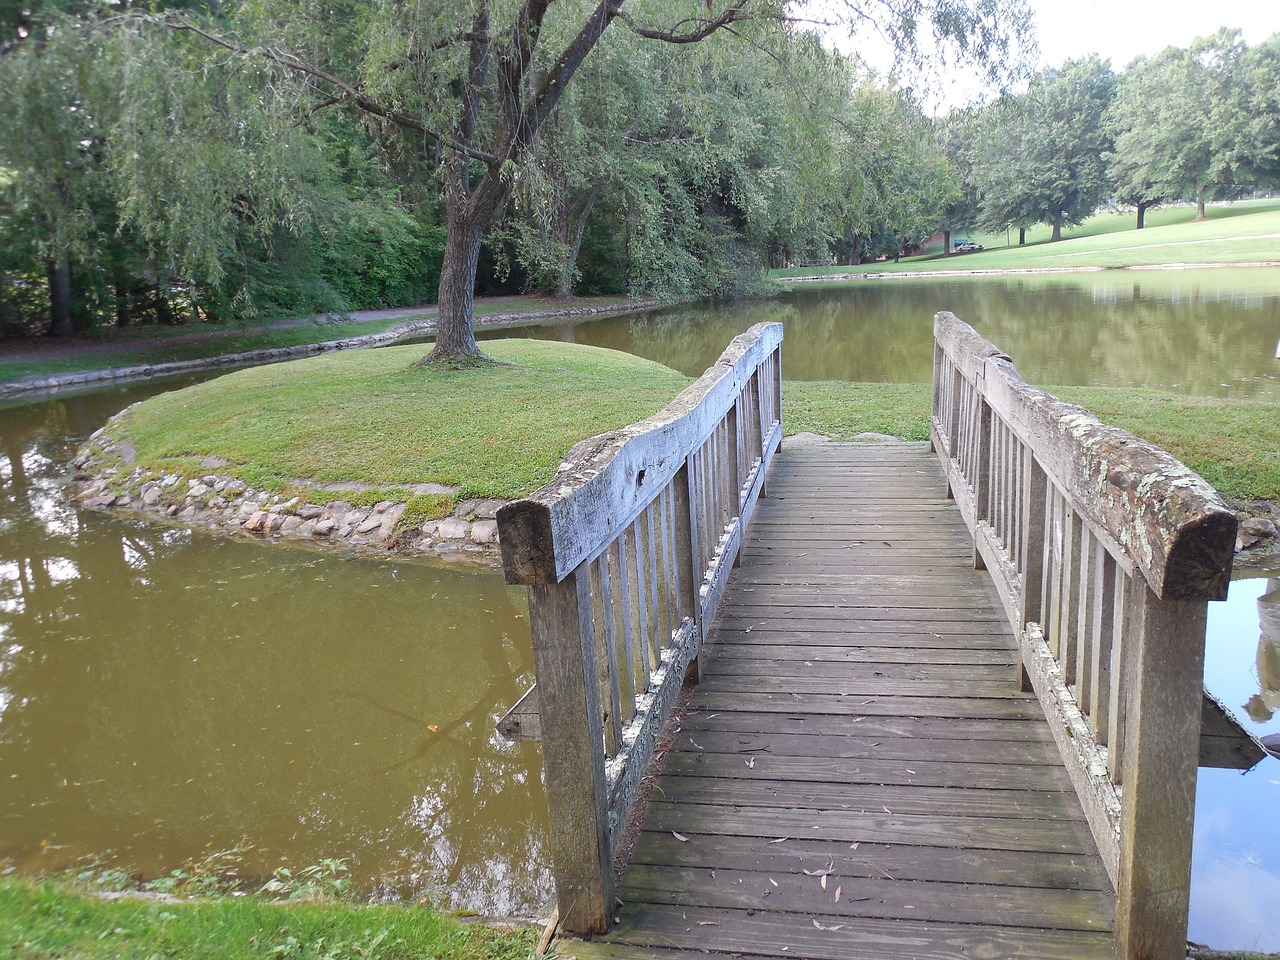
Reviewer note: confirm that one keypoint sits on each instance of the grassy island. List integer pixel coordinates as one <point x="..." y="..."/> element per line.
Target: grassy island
<point x="369" y="417"/>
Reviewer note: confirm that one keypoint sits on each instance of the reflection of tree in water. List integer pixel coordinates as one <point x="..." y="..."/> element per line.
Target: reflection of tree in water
<point x="1188" y="334"/>
<point x="160" y="692"/>
<point x="1262" y="706"/>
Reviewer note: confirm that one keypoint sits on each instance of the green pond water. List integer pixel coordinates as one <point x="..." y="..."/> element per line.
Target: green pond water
<point x="1207" y="333"/>
<point x="165" y="693"/>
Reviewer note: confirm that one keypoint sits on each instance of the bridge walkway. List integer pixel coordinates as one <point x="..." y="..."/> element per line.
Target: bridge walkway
<point x="858" y="775"/>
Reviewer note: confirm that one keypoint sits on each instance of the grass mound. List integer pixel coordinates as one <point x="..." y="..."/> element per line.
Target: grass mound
<point x="369" y="417"/>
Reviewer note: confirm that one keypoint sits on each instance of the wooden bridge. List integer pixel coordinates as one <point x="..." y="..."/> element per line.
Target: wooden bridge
<point x="953" y="705"/>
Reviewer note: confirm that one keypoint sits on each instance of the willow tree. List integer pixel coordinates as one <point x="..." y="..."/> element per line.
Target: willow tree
<point x="469" y="84"/>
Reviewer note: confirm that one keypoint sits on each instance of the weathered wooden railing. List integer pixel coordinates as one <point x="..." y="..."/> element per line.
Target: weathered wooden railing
<point x="1105" y="551"/>
<point x="626" y="554"/>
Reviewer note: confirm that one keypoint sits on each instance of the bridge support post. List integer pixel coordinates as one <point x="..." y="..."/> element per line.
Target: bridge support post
<point x="1163" y="656"/>
<point x="564" y="652"/>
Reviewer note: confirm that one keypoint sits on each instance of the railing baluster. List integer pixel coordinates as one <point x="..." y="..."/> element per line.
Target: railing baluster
<point x="1104" y="577"/>
<point x="656" y="640"/>
<point x="607" y="665"/>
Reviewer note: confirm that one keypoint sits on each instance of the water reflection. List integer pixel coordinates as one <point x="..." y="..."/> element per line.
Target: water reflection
<point x="1235" y="867"/>
<point x="1207" y="333"/>
<point x="164" y="693"/>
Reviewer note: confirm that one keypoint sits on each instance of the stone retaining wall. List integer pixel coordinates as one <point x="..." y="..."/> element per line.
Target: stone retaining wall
<point x="109" y="480"/>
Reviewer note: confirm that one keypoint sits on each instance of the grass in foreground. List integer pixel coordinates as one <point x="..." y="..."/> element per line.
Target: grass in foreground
<point x="367" y="416"/>
<point x="1234" y="444"/>
<point x="46" y="919"/>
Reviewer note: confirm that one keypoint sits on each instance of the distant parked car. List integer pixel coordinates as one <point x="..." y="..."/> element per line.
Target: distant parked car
<point x="967" y="246"/>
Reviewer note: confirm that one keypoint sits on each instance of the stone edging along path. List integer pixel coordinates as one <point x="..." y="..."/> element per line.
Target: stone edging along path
<point x="52" y="383"/>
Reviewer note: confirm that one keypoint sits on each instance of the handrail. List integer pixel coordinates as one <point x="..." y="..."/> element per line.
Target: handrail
<point x="1104" y="550"/>
<point x="626" y="554"/>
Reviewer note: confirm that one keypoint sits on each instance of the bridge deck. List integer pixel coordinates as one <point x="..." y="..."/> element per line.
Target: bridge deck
<point x="859" y="776"/>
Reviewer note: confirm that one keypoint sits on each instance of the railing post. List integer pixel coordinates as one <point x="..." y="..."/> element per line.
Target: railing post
<point x="1164" y="663"/>
<point x="564" y="652"/>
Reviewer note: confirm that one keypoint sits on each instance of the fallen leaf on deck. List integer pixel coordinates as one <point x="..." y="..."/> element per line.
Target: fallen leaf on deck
<point x="751" y="762"/>
<point x="838" y="926"/>
<point x="708" y="923"/>
<point x="432" y="727"/>
<point x="823" y="881"/>
<point x="838" y="889"/>
<point x="780" y="839"/>
<point x="680" y="836"/>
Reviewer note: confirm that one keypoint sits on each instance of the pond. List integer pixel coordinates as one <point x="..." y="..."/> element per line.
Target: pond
<point x="167" y="694"/>
<point x="1205" y="333"/>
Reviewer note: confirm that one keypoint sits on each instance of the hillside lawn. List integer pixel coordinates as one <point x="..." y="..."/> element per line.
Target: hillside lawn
<point x="1245" y="232"/>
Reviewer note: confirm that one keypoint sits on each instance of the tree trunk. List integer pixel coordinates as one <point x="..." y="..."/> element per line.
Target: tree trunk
<point x="1022" y="236"/>
<point x="122" y="304"/>
<point x="1142" y="215"/>
<point x="60" y="324"/>
<point x="1200" y="214"/>
<point x="946" y="243"/>
<point x="1057" y="231"/>
<point x="455" y="327"/>
<point x="564" y="288"/>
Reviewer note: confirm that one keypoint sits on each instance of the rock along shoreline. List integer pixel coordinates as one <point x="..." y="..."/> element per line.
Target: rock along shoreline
<point x="354" y="516"/>
<point x="108" y="479"/>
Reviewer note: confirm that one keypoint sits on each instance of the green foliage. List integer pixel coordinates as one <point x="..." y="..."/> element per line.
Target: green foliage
<point x="1044" y="161"/>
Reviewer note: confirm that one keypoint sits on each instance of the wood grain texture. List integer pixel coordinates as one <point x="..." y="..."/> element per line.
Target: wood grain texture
<point x="864" y="723"/>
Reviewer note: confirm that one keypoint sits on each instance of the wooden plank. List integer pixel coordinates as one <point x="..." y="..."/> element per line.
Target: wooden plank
<point x="728" y="649"/>
<point x="923" y="728"/>
<point x="919" y="900"/>
<point x="867" y="687"/>
<point x="851" y="743"/>
<point x="837" y="770"/>
<point x="1008" y="868"/>
<point x="1028" y="805"/>
<point x="972" y="708"/>
<point x="829" y="670"/>
<point x="687" y="929"/>
<point x="704" y="823"/>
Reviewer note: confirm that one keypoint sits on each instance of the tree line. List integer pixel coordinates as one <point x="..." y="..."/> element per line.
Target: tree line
<point x="1187" y="125"/>
<point x="216" y="161"/>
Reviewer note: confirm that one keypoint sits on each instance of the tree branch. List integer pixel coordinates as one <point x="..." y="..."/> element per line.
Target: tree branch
<point x="700" y="31"/>
<point x="343" y="91"/>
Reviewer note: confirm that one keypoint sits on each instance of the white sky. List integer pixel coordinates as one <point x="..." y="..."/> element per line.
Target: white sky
<point x="1123" y="29"/>
<point x="1118" y="30"/>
